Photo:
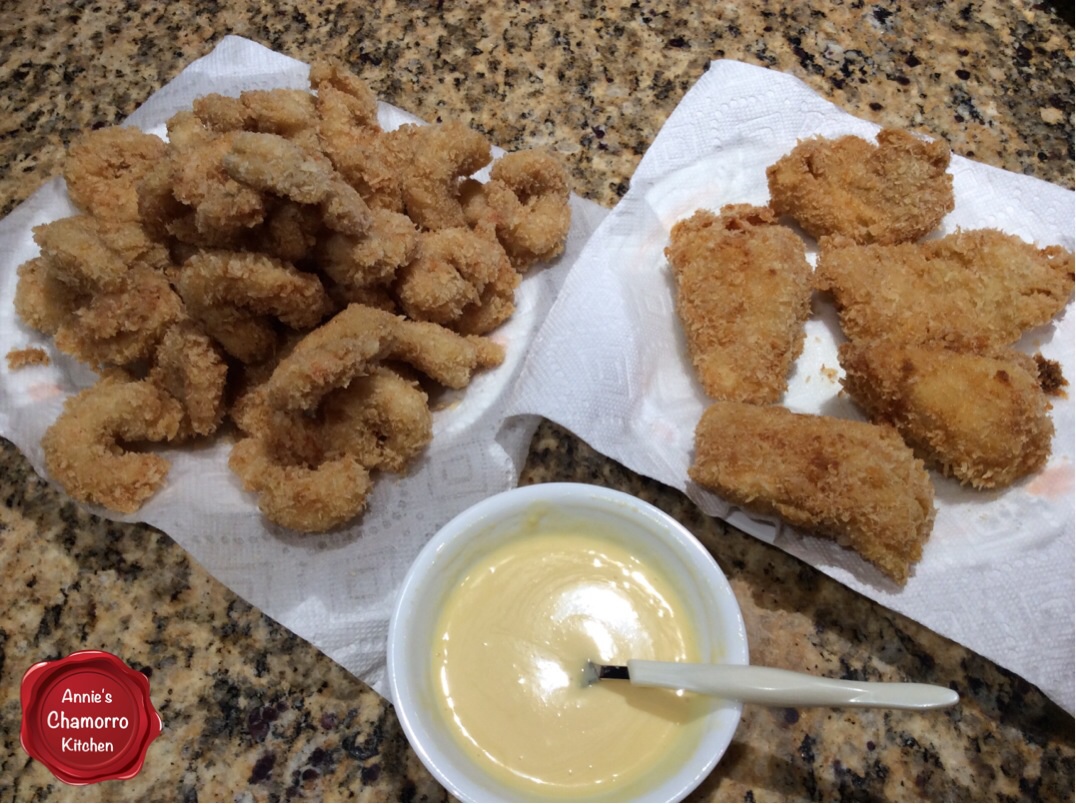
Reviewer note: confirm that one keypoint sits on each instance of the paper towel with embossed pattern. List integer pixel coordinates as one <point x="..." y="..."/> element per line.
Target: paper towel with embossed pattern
<point x="334" y="590"/>
<point x="610" y="364"/>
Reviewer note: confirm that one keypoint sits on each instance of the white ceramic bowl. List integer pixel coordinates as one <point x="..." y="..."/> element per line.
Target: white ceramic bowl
<point x="654" y="536"/>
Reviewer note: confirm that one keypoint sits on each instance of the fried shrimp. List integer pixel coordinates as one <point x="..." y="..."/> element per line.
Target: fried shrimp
<point x="296" y="496"/>
<point x="190" y="367"/>
<point x="103" y="168"/>
<point x="357" y="338"/>
<point x="256" y="283"/>
<point x="272" y="164"/>
<point x="972" y="290"/>
<point x="526" y="202"/>
<point x="41" y="300"/>
<point x="457" y="274"/>
<point x="379" y="421"/>
<point x="249" y="268"/>
<point x="221" y="207"/>
<point x="853" y="482"/>
<point x="441" y="155"/>
<point x="121" y="327"/>
<point x="78" y="256"/>
<point x="85" y="447"/>
<point x="743" y="295"/>
<point x="982" y="419"/>
<point x="893" y="192"/>
<point x="372" y="260"/>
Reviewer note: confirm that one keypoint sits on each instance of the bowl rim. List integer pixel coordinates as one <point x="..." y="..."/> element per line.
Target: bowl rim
<point x="716" y="741"/>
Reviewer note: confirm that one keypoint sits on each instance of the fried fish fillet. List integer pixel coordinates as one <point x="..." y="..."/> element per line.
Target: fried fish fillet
<point x="892" y="192"/>
<point x="982" y="419"/>
<point x="853" y="482"/>
<point x="973" y="290"/>
<point x="743" y="295"/>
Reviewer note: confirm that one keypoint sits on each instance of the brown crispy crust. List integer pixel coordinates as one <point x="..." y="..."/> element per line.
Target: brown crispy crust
<point x="982" y="419"/>
<point x="853" y="482"/>
<point x="892" y="192"/>
<point x="743" y="295"/>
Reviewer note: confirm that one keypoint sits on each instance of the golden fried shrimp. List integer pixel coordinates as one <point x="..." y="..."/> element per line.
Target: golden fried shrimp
<point x="297" y="496"/>
<point x="357" y="338"/>
<point x="743" y="288"/>
<point x="350" y="134"/>
<point x="291" y="231"/>
<point x="368" y="159"/>
<point x="458" y="273"/>
<point x="894" y="192"/>
<point x="379" y="421"/>
<point x="157" y="206"/>
<point x="78" y="256"/>
<point x="361" y="102"/>
<point x="290" y="113"/>
<point x="972" y="290"/>
<point x="103" y="168"/>
<point x="373" y="259"/>
<point x="222" y="206"/>
<point x="121" y="327"/>
<point x="270" y="163"/>
<point x="853" y="482"/>
<point x="41" y="300"/>
<point x="219" y="113"/>
<point x="132" y="243"/>
<point x="246" y="336"/>
<point x="441" y="155"/>
<point x="84" y="447"/>
<point x="190" y="367"/>
<point x="382" y="419"/>
<point x="526" y="201"/>
<point x="979" y="418"/>
<point x="254" y="282"/>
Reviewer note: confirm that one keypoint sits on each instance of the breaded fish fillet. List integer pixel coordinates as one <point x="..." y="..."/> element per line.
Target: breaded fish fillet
<point x="743" y="295"/>
<point x="981" y="419"/>
<point x="892" y="192"/>
<point x="853" y="482"/>
<point x="972" y="290"/>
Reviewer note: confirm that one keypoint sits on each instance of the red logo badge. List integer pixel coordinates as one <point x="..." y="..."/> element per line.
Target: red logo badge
<point x="87" y="718"/>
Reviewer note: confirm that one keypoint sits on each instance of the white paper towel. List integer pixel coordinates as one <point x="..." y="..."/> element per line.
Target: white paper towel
<point x="334" y="590"/>
<point x="610" y="363"/>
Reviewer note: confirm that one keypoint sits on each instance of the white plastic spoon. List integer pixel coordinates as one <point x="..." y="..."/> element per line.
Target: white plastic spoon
<point x="772" y="687"/>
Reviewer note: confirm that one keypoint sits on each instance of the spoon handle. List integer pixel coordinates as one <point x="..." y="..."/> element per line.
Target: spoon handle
<point x="772" y="687"/>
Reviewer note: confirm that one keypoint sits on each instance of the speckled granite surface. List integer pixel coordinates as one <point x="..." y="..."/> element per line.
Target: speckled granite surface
<point x="253" y="713"/>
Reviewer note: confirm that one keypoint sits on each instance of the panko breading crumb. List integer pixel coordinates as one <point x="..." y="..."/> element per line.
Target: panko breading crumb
<point x="23" y="358"/>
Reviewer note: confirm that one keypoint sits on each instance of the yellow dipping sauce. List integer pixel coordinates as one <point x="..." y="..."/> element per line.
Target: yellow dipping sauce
<point x="511" y="644"/>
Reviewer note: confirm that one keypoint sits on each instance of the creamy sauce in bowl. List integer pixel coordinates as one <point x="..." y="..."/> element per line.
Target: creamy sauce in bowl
<point x="510" y="646"/>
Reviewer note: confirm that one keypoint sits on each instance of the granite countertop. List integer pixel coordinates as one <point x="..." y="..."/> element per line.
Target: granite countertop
<point x="251" y="712"/>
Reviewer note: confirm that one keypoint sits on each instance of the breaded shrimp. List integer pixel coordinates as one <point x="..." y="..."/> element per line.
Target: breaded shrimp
<point x="441" y="155"/>
<point x="526" y="203"/>
<point x="357" y="338"/>
<point x="84" y="447"/>
<point x="103" y="168"/>
<point x="190" y="367"/>
<point x="458" y="274"/>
